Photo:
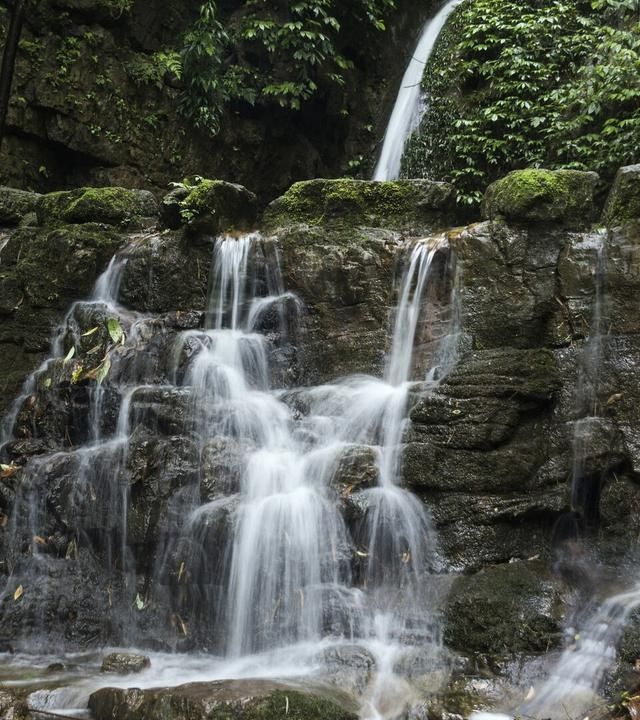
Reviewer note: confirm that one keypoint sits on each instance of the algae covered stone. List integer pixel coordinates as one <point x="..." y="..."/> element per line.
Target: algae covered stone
<point x="535" y="195"/>
<point x="108" y="205"/>
<point x="216" y="206"/>
<point x="624" y="200"/>
<point x="222" y="700"/>
<point x="16" y="204"/>
<point x="419" y="205"/>
<point x="510" y="608"/>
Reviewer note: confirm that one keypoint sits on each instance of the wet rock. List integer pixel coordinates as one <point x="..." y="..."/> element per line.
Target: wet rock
<point x="13" y="707"/>
<point x="509" y="284"/>
<point x="222" y="462"/>
<point x="241" y="699"/>
<point x="420" y="206"/>
<point x="357" y="468"/>
<point x="171" y="206"/>
<point x="543" y="196"/>
<point x="125" y="663"/>
<point x="164" y="273"/>
<point x="109" y="205"/>
<point x="344" y="282"/>
<point x="512" y="608"/>
<point x="349" y="667"/>
<point x="16" y="204"/>
<point x="213" y="207"/>
<point x="624" y="199"/>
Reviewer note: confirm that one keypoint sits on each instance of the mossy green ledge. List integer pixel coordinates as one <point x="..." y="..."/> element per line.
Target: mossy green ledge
<point x="107" y="205"/>
<point x="543" y="196"/>
<point x="623" y="203"/>
<point x="418" y="206"/>
<point x="223" y="700"/>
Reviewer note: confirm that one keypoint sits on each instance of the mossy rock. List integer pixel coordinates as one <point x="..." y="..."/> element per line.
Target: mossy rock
<point x="16" y="204"/>
<point x="543" y="196"/>
<point x="213" y="207"/>
<point x="108" y="205"/>
<point x="224" y="700"/>
<point x="419" y="205"/>
<point x="623" y="203"/>
<point x="510" y="608"/>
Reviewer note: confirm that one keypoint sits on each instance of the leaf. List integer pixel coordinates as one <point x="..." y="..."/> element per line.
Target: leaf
<point x="47" y="383"/>
<point x="90" y="332"/>
<point x="39" y="540"/>
<point x="18" y="593"/>
<point x="72" y="551"/>
<point x="139" y="602"/>
<point x="115" y="330"/>
<point x="103" y="370"/>
<point x="70" y="354"/>
<point x="76" y="374"/>
<point x="7" y="471"/>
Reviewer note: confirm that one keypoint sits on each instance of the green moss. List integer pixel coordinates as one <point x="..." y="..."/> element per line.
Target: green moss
<point x="400" y="204"/>
<point x="16" y="204"/>
<point x="215" y="206"/>
<point x="505" y="609"/>
<point x="109" y="205"/>
<point x="536" y="195"/>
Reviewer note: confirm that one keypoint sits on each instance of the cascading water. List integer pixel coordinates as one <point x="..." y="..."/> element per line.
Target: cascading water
<point x="409" y="106"/>
<point x="275" y="557"/>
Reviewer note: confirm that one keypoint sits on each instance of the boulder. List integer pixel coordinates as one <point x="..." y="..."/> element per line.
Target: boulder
<point x="543" y="196"/>
<point x="223" y="700"/>
<point x="421" y="206"/>
<point x="213" y="207"/>
<point x="511" y="608"/>
<point x="125" y="663"/>
<point x="16" y="204"/>
<point x="108" y="205"/>
<point x="624" y="199"/>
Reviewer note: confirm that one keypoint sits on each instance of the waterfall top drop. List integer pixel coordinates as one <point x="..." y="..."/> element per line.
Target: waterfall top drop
<point x="408" y="108"/>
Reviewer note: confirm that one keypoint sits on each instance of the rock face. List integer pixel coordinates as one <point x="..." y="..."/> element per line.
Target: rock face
<point x="528" y="450"/>
<point x="241" y="699"/>
<point x="95" y="101"/>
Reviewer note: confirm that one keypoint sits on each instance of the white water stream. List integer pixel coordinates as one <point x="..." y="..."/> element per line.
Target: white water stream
<point x="286" y="576"/>
<point x="409" y="106"/>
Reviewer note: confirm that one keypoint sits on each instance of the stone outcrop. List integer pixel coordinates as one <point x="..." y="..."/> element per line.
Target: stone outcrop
<point x="490" y="449"/>
<point x="237" y="699"/>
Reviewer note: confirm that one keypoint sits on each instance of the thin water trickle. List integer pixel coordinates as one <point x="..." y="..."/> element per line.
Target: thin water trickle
<point x="410" y="105"/>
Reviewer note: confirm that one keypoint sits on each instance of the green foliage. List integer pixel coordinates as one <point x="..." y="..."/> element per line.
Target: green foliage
<point x="152" y="69"/>
<point x="526" y="83"/>
<point x="273" y="53"/>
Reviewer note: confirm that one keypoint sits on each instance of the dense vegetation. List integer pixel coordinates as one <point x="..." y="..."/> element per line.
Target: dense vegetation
<point x="527" y="83"/>
<point x="271" y="52"/>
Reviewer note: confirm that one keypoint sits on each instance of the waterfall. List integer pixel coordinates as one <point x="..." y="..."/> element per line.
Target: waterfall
<point x="288" y="565"/>
<point x="264" y="549"/>
<point x="409" y="105"/>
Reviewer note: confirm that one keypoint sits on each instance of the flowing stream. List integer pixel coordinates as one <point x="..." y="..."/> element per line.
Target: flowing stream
<point x="282" y="559"/>
<point x="410" y="106"/>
